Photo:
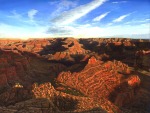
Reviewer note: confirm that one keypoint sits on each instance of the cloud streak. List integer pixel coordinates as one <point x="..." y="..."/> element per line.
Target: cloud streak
<point x="99" y="18"/>
<point x="62" y="6"/>
<point x="137" y="21"/>
<point x="32" y="13"/>
<point x="15" y="15"/>
<point x="121" y="18"/>
<point x="76" y="13"/>
<point x="119" y="2"/>
<point x="11" y="31"/>
<point x="61" y="30"/>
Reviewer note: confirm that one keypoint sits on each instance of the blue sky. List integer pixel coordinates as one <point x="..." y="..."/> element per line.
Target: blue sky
<point x="74" y="18"/>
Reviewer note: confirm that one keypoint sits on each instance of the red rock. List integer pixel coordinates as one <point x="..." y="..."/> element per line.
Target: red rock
<point x="3" y="61"/>
<point x="3" y="80"/>
<point x="92" y="60"/>
<point x="60" y="88"/>
<point x="134" y="81"/>
<point x="100" y="80"/>
<point x="11" y="73"/>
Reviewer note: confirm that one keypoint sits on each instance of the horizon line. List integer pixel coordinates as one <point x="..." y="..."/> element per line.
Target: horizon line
<point x="38" y="38"/>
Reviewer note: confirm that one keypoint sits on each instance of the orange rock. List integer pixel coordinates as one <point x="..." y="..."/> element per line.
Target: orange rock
<point x="102" y="80"/>
<point x="92" y="60"/>
<point x="134" y="81"/>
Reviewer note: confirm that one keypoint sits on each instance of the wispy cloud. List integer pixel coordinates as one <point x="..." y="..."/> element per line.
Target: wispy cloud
<point x="147" y="19"/>
<point x="116" y="30"/>
<point x="24" y="18"/>
<point x="137" y="21"/>
<point x="121" y="18"/>
<point x="84" y="31"/>
<point x="32" y="13"/>
<point x="52" y="2"/>
<point x="61" y="30"/>
<point x="74" y="14"/>
<point x="66" y="4"/>
<point x="99" y="18"/>
<point x="15" y="15"/>
<point x="24" y="32"/>
<point x="75" y="31"/>
<point x="109" y="24"/>
<point x="115" y="2"/>
<point x="62" y="6"/>
<point x="119" y="2"/>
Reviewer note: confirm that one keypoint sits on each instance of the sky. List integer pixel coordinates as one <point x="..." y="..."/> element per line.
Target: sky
<point x="74" y="18"/>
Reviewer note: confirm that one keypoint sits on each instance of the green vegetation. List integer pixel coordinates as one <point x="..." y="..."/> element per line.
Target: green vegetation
<point x="68" y="90"/>
<point x="73" y="92"/>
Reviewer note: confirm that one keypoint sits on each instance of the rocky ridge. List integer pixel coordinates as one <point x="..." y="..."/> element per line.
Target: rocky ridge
<point x="105" y="84"/>
<point x="103" y="80"/>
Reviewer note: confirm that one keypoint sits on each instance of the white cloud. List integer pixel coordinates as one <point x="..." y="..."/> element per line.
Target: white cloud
<point x="15" y="15"/>
<point x="79" y="31"/>
<point x="119" y="2"/>
<point x="32" y="13"/>
<point x="61" y="30"/>
<point x="99" y="18"/>
<point x="147" y="19"/>
<point x="10" y="31"/>
<point x="137" y="21"/>
<point x="76" y="13"/>
<point x="109" y="24"/>
<point x="119" y="19"/>
<point x="75" y="31"/>
<point x="53" y="2"/>
<point x="118" y="30"/>
<point x="66" y="4"/>
<point x="115" y="2"/>
<point x="62" y="5"/>
<point x="128" y="29"/>
<point x="20" y="17"/>
<point x="60" y="27"/>
<point x="88" y="31"/>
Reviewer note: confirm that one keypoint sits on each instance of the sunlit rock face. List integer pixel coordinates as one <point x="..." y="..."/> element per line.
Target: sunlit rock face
<point x="92" y="60"/>
<point x="47" y="99"/>
<point x="103" y="80"/>
<point x="75" y="103"/>
<point x="134" y="81"/>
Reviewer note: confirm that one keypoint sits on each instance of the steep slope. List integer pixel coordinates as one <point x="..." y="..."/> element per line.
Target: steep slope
<point x="107" y="80"/>
<point x="71" y="51"/>
<point x="67" y="102"/>
<point x="47" y="99"/>
<point x="25" y="69"/>
<point x="123" y="49"/>
<point x="14" y="68"/>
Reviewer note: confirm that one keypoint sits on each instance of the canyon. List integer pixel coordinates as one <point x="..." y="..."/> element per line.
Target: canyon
<point x="75" y="75"/>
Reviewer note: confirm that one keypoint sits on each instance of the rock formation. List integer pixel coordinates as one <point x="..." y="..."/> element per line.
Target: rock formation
<point x="15" y="68"/>
<point x="67" y="102"/>
<point x="94" y="75"/>
<point x="102" y="80"/>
